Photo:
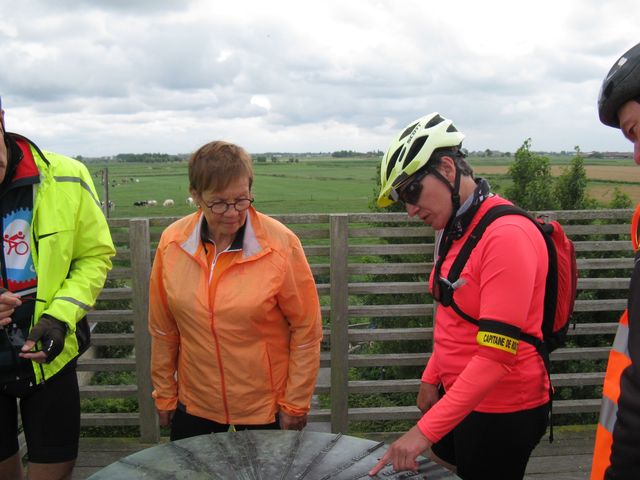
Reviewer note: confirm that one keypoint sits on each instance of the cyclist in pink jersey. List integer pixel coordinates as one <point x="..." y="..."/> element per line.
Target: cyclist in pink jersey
<point x="484" y="392"/>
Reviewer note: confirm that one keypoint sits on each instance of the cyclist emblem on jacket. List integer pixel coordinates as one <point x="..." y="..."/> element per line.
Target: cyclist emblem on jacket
<point x="16" y="243"/>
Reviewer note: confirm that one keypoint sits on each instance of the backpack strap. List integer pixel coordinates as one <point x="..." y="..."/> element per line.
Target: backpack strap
<point x="475" y="236"/>
<point x="449" y="284"/>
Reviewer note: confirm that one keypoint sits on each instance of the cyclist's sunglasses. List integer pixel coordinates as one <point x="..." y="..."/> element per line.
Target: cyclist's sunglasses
<point x="409" y="191"/>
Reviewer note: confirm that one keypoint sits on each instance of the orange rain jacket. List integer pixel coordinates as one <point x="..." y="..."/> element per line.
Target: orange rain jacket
<point x="240" y="350"/>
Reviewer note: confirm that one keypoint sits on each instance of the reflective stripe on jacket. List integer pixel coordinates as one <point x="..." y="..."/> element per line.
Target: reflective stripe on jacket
<point x="71" y="247"/>
<point x="618" y="361"/>
<point x="613" y="406"/>
<point x="240" y="350"/>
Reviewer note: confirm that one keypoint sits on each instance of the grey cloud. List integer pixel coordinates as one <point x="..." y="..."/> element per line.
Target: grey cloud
<point x="127" y="63"/>
<point x="142" y="7"/>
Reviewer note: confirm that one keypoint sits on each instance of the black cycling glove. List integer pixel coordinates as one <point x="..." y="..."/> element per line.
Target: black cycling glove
<point x="50" y="332"/>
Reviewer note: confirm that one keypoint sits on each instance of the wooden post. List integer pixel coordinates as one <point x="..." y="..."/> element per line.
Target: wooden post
<point x="339" y="278"/>
<point x="140" y="245"/>
<point x="105" y="189"/>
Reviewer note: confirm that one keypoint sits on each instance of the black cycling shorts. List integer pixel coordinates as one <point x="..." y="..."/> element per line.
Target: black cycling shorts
<point x="185" y="425"/>
<point x="50" y="418"/>
<point x="493" y="446"/>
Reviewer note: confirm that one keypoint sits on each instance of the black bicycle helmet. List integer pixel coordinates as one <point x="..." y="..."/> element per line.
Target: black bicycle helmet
<point x="621" y="84"/>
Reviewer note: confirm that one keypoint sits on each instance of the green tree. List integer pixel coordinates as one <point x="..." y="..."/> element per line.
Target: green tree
<point x="571" y="186"/>
<point x="532" y="187"/>
<point x="620" y="199"/>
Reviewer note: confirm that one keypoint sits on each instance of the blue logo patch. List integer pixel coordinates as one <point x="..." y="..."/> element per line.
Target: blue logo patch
<point x="16" y="238"/>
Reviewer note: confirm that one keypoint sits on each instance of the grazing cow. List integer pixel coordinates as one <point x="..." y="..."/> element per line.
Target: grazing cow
<point x="190" y="201"/>
<point x="168" y="203"/>
<point x="152" y="203"/>
<point x="140" y="203"/>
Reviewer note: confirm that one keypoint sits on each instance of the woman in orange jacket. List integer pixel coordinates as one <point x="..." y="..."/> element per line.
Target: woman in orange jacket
<point x="234" y="314"/>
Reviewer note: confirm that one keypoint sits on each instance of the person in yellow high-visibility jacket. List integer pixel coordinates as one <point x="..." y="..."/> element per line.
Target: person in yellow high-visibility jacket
<point x="57" y="252"/>
<point x="617" y="447"/>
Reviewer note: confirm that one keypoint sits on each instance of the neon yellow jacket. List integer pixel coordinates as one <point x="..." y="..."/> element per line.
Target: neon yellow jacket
<point x="71" y="247"/>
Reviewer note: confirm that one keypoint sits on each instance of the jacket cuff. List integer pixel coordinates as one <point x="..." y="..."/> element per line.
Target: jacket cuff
<point x="293" y="411"/>
<point x="163" y="403"/>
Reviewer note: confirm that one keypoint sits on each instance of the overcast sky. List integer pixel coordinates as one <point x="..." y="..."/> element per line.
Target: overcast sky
<point x="98" y="78"/>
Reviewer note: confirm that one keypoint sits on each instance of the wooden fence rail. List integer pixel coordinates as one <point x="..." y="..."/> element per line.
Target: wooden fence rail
<point x="371" y="272"/>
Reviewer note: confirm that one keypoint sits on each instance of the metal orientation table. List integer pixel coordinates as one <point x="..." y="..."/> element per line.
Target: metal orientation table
<point x="264" y="455"/>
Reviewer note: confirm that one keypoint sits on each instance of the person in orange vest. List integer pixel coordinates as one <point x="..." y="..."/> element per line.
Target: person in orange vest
<point x="617" y="447"/>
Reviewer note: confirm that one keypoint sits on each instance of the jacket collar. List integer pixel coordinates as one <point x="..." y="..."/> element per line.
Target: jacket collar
<point x="236" y="244"/>
<point x="22" y="168"/>
<point x="249" y="235"/>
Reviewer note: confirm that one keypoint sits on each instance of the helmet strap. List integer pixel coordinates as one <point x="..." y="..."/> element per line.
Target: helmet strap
<point x="455" y="190"/>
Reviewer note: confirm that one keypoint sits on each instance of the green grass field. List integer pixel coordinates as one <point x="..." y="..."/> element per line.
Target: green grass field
<point x="318" y="184"/>
<point x="315" y="186"/>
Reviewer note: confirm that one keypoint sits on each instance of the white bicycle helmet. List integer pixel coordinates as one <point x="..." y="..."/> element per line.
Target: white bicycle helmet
<point x="621" y="84"/>
<point x="412" y="150"/>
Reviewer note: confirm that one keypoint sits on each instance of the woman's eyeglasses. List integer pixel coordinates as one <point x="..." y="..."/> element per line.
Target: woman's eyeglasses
<point x="221" y="207"/>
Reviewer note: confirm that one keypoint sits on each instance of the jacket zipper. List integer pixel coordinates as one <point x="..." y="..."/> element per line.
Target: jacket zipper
<point x="215" y="337"/>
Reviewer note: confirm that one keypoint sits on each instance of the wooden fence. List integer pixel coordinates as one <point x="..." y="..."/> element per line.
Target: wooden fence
<point x="371" y="272"/>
